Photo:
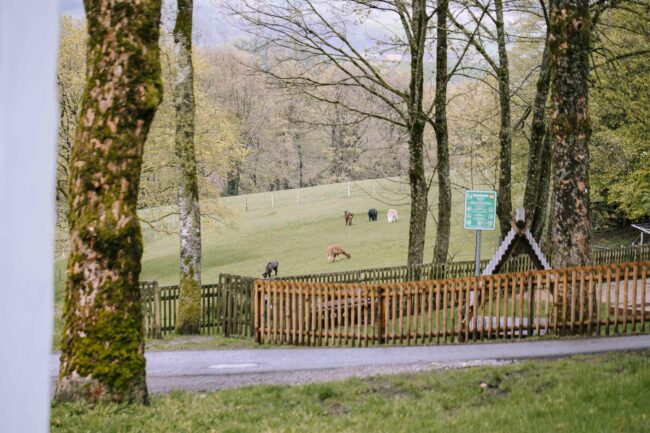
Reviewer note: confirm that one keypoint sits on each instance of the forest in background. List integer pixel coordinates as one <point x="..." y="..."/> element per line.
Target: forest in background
<point x="255" y="133"/>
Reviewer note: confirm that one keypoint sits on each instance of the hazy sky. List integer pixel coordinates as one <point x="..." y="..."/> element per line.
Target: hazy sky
<point x="209" y="24"/>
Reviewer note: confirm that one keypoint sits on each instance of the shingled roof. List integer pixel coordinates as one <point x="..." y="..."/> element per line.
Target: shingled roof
<point x="519" y="234"/>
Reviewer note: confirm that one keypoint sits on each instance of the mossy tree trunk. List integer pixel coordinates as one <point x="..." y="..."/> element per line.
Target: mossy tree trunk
<point x="537" y="176"/>
<point x="416" y="124"/>
<point x="102" y="347"/>
<point x="544" y="190"/>
<point x="443" y="230"/>
<point x="504" y="195"/>
<point x="570" y="128"/>
<point x="188" y="318"/>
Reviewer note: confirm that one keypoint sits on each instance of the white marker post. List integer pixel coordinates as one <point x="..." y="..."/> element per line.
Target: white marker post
<point x="28" y="121"/>
<point x="480" y="214"/>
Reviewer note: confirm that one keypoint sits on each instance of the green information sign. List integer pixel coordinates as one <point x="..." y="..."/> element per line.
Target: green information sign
<point x="480" y="210"/>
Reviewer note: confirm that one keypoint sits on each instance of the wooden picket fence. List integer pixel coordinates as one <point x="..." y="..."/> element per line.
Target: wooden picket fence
<point x="594" y="300"/>
<point x="227" y="307"/>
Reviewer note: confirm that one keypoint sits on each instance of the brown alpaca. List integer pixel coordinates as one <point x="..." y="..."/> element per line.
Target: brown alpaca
<point x="348" y="217"/>
<point x="335" y="250"/>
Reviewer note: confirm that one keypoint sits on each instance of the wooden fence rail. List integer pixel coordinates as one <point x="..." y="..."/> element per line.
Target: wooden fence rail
<point x="595" y="300"/>
<point x="227" y="305"/>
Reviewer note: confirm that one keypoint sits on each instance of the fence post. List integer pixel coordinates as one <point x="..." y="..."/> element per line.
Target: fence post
<point x="348" y="189"/>
<point x="382" y="316"/>
<point x="227" y="310"/>
<point x="257" y="303"/>
<point x="157" y="329"/>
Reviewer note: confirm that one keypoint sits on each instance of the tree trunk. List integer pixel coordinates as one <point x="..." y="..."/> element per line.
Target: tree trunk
<point x="301" y="168"/>
<point x="534" y="181"/>
<point x="544" y="188"/>
<point x="504" y="199"/>
<point x="188" y="318"/>
<point x="571" y="232"/>
<point x="442" y="138"/>
<point x="102" y="347"/>
<point x="417" y="178"/>
<point x="232" y="179"/>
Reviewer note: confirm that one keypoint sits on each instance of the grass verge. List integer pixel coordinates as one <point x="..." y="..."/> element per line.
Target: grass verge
<point x="595" y="393"/>
<point x="200" y="342"/>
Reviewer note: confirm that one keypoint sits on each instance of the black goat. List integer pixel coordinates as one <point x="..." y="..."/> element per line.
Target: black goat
<point x="270" y="267"/>
<point x="372" y="214"/>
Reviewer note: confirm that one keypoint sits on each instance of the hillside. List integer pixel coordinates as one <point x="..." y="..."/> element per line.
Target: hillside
<point x="296" y="234"/>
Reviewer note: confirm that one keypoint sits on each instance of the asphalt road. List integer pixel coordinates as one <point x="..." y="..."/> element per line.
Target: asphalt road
<point x="217" y="369"/>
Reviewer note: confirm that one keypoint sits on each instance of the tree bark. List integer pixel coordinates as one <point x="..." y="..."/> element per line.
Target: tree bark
<point x="443" y="230"/>
<point x="571" y="232"/>
<point x="417" y="121"/>
<point x="570" y="229"/>
<point x="232" y="179"/>
<point x="544" y="189"/>
<point x="102" y="347"/>
<point x="537" y="176"/>
<point x="188" y="318"/>
<point x="504" y="195"/>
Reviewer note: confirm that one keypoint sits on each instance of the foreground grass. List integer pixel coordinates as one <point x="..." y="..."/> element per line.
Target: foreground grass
<point x="597" y="393"/>
<point x="201" y="342"/>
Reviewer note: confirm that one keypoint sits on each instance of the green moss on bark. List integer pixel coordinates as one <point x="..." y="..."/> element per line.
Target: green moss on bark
<point x="189" y="304"/>
<point x="570" y="129"/>
<point x="102" y="344"/>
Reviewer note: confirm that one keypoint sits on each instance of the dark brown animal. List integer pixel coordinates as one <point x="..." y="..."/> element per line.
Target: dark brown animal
<point x="348" y="217"/>
<point x="336" y="250"/>
<point x="270" y="267"/>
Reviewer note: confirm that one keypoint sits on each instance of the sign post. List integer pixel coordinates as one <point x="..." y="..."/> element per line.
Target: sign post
<point x="480" y="214"/>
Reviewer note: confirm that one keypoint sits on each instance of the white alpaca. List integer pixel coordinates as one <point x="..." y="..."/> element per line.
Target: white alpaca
<point x="392" y="215"/>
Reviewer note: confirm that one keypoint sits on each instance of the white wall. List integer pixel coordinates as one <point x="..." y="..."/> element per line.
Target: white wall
<point x="28" y="118"/>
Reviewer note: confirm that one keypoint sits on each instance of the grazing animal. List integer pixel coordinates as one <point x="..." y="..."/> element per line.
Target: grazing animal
<point x="392" y="215"/>
<point x="270" y="267"/>
<point x="372" y="214"/>
<point x="348" y="217"/>
<point x="336" y="250"/>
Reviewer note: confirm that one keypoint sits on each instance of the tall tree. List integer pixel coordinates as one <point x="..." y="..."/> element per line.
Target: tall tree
<point x="443" y="230"/>
<point x="188" y="319"/>
<point x="102" y="347"/>
<point x="70" y="84"/>
<point x="570" y="128"/>
<point x="498" y="69"/>
<point x="538" y="172"/>
<point x="620" y="112"/>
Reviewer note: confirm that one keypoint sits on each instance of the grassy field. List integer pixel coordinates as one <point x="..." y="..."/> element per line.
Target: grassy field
<point x="591" y="394"/>
<point x="296" y="234"/>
